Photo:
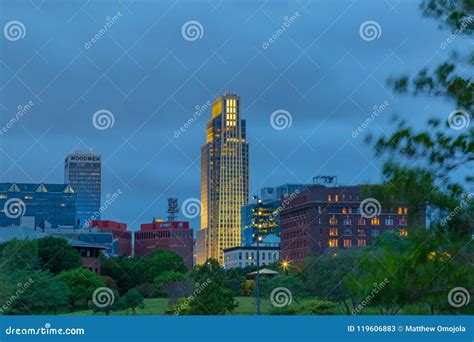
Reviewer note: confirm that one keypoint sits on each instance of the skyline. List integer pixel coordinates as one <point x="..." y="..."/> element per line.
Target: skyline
<point x="162" y="166"/>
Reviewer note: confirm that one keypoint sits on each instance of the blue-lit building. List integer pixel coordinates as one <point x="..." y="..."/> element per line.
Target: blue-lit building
<point x="264" y="214"/>
<point x="37" y="204"/>
<point x="82" y="170"/>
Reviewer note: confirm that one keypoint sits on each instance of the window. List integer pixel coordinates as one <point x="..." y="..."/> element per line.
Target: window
<point x="347" y="221"/>
<point x="347" y="243"/>
<point x="333" y="242"/>
<point x="337" y="198"/>
<point x="361" y="242"/>
<point x="375" y="232"/>
<point x="361" y="221"/>
<point x="403" y="232"/>
<point x="361" y="231"/>
<point x="240" y="255"/>
<point x="333" y="232"/>
<point x="344" y="210"/>
<point x="375" y="221"/>
<point x="400" y="211"/>
<point x="403" y="221"/>
<point x="333" y="220"/>
<point x="389" y="221"/>
<point x="329" y="198"/>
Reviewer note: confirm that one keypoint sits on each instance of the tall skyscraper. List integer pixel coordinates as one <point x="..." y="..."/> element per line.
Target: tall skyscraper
<point x="82" y="170"/>
<point x="224" y="180"/>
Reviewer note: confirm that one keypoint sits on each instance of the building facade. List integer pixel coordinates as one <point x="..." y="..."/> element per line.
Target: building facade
<point x="263" y="217"/>
<point x="172" y="236"/>
<point x="83" y="171"/>
<point x="38" y="204"/>
<point x="122" y="237"/>
<point x="244" y="256"/>
<point x="322" y="218"/>
<point x="224" y="180"/>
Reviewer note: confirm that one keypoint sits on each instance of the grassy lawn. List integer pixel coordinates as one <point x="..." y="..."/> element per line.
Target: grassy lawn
<point x="247" y="306"/>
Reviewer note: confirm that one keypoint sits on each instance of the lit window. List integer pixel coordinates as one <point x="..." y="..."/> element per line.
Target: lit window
<point x="400" y="211"/>
<point x="361" y="221"/>
<point x="337" y="198"/>
<point x="389" y="221"/>
<point x="403" y="232"/>
<point x="333" y="220"/>
<point x="344" y="210"/>
<point x="329" y="198"/>
<point x="361" y="242"/>
<point x="347" y="243"/>
<point x="333" y="242"/>
<point x="333" y="232"/>
<point x="375" y="221"/>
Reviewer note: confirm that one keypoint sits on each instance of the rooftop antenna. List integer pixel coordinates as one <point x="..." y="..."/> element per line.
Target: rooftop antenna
<point x="172" y="208"/>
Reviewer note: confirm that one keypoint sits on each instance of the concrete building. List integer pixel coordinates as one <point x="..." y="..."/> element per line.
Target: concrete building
<point x="243" y="256"/>
<point x="172" y="236"/>
<point x="224" y="179"/>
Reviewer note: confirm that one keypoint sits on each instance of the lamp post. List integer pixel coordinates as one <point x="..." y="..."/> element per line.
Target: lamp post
<point x="257" y="280"/>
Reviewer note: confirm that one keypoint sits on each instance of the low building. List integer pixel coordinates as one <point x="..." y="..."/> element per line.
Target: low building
<point x="172" y="236"/>
<point x="122" y="237"/>
<point x="243" y="256"/>
<point x="89" y="252"/>
<point x="321" y="218"/>
<point x="43" y="204"/>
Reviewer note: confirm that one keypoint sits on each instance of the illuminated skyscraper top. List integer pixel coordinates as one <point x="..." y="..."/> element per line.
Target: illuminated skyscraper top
<point x="224" y="179"/>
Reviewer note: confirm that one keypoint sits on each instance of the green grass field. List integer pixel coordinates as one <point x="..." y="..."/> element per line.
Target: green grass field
<point x="247" y="306"/>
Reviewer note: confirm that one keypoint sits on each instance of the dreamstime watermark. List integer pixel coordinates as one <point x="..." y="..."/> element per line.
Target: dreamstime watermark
<point x="366" y="301"/>
<point x="199" y="110"/>
<point x="46" y="330"/>
<point x="280" y="297"/>
<point x="110" y="198"/>
<point x="192" y="30"/>
<point x="281" y="119"/>
<point x="22" y="287"/>
<point x="377" y="110"/>
<point x="103" y="297"/>
<point x="21" y="110"/>
<point x="188" y="300"/>
<point x="287" y="21"/>
<point x="464" y="23"/>
<point x="459" y="297"/>
<point x="103" y="119"/>
<point x="14" y="208"/>
<point x="109" y="22"/>
<point x="459" y="119"/>
<point x="370" y="30"/>
<point x="191" y="208"/>
<point x="370" y="207"/>
<point x="464" y="202"/>
<point x="14" y="30"/>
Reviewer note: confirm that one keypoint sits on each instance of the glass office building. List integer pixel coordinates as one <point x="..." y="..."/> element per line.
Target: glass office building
<point x="37" y="204"/>
<point x="82" y="170"/>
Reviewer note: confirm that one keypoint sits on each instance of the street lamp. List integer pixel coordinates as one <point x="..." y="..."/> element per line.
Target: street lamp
<point x="285" y="265"/>
<point x="257" y="280"/>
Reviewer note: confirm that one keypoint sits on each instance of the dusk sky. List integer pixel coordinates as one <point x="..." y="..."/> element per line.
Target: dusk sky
<point x="143" y="70"/>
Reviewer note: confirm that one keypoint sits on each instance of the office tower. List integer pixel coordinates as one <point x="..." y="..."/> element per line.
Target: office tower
<point x="37" y="205"/>
<point x="82" y="170"/>
<point x="224" y="180"/>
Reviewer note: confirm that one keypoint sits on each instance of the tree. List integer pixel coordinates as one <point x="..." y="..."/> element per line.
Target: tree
<point x="34" y="292"/>
<point x="111" y="305"/>
<point x="82" y="284"/>
<point x="326" y="276"/>
<point x="175" y="285"/>
<point x="56" y="255"/>
<point x="133" y="299"/>
<point x="19" y="254"/>
<point x="159" y="262"/>
<point x="127" y="272"/>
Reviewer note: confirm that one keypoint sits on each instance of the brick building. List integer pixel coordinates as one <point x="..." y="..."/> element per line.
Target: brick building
<point x="322" y="218"/>
<point x="173" y="236"/>
<point x="122" y="237"/>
